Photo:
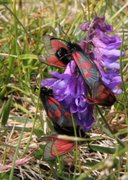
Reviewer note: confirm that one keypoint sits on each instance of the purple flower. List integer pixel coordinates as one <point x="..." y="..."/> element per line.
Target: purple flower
<point x="85" y="119"/>
<point x="70" y="89"/>
<point x="102" y="49"/>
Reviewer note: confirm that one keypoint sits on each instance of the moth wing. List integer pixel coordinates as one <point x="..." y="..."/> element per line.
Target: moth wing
<point x="55" y="111"/>
<point x="51" y="60"/>
<point x="47" y="151"/>
<point x="61" y="147"/>
<point x="57" y="147"/>
<point x="58" y="114"/>
<point x="102" y="95"/>
<point x="52" y="45"/>
<point x="47" y="44"/>
<point x="87" y="68"/>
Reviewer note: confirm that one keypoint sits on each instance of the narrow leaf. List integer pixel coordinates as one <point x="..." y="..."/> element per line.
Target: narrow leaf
<point x="103" y="149"/>
<point x="5" y="111"/>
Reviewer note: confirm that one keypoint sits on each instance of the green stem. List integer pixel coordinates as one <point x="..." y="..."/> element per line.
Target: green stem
<point x="16" y="153"/>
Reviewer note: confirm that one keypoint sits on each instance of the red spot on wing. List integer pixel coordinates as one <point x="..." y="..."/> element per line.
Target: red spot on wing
<point x="86" y="65"/>
<point x="87" y="74"/>
<point x="52" y="101"/>
<point x="76" y="55"/>
<point x="55" y="101"/>
<point x="82" y="64"/>
<point x="67" y="114"/>
<point x="56" y="45"/>
<point x="53" y="60"/>
<point x="57" y="113"/>
<point x="103" y="97"/>
<point x="61" y="147"/>
<point x="101" y="88"/>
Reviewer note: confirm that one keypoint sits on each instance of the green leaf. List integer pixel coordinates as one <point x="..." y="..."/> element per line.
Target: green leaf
<point x="28" y="56"/>
<point x="38" y="132"/>
<point x="4" y="1"/>
<point x="5" y="111"/>
<point x="39" y="153"/>
<point x="91" y="163"/>
<point x="103" y="149"/>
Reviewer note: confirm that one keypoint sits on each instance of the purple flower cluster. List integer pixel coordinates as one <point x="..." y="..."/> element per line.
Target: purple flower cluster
<point x="69" y="87"/>
<point x="103" y="50"/>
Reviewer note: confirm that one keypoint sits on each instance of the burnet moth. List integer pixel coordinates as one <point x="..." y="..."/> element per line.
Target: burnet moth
<point x="100" y="94"/>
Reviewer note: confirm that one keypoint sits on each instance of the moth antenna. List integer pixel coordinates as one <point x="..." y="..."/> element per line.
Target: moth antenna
<point x="62" y="30"/>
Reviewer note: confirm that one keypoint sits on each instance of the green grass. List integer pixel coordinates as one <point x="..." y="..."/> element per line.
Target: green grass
<point x="22" y="25"/>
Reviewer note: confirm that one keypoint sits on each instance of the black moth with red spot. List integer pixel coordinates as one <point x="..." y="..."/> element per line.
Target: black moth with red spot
<point x="100" y="93"/>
